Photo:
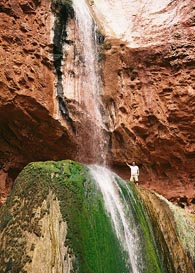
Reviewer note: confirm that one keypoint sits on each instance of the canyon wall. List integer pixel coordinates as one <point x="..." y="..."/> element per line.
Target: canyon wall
<point x="149" y="93"/>
<point x="29" y="123"/>
<point x="146" y="55"/>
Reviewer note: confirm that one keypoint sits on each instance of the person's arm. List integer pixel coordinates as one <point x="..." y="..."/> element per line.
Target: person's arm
<point x="128" y="165"/>
<point x="137" y="170"/>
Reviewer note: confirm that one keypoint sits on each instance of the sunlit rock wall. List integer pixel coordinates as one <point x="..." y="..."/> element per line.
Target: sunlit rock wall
<point x="143" y="23"/>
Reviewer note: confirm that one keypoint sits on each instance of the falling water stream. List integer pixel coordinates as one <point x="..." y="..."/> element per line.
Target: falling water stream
<point x="88" y="88"/>
<point x="88" y="85"/>
<point x="114" y="195"/>
<point x="122" y="219"/>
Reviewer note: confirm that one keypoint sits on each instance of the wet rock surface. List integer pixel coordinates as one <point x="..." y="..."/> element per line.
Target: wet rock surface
<point x="168" y="220"/>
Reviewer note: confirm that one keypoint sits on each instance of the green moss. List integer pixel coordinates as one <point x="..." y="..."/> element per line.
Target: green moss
<point x="90" y="233"/>
<point x="151" y="259"/>
<point x="164" y="226"/>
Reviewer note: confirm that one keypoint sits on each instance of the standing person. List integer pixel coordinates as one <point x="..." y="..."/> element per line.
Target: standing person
<point x="134" y="172"/>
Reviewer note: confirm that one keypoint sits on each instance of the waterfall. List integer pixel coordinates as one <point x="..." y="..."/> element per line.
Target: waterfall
<point x="99" y="224"/>
<point x="88" y="83"/>
<point x="122" y="207"/>
<point x="119" y="201"/>
<point x="122" y="216"/>
<point x="116" y="205"/>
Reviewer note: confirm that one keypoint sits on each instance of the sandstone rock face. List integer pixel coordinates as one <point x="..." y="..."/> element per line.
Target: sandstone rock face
<point x="148" y="91"/>
<point x="150" y="99"/>
<point x="142" y="23"/>
<point x="28" y="107"/>
<point x="38" y="119"/>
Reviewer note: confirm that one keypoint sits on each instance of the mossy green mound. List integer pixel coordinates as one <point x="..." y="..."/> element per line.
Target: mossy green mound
<point x="90" y="233"/>
<point x="91" y="238"/>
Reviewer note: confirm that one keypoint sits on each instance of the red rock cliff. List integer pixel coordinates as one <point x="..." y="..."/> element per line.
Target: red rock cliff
<point x="147" y="61"/>
<point x="29" y="130"/>
<point x="149" y="90"/>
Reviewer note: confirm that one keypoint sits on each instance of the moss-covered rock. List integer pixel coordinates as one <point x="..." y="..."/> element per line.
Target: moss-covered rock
<point x="55" y="218"/>
<point x="90" y="235"/>
<point x="174" y="229"/>
<point x="152" y="259"/>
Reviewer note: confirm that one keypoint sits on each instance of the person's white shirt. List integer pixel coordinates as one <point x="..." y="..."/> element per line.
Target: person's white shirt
<point x="134" y="170"/>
